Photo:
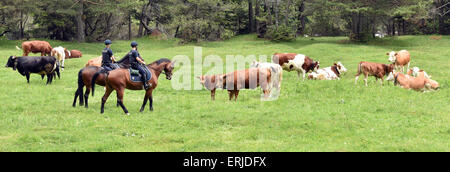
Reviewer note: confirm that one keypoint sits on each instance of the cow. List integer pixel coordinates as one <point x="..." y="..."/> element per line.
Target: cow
<point x="247" y="79"/>
<point x="95" y="62"/>
<point x="60" y="54"/>
<point x="373" y="69"/>
<point x="330" y="73"/>
<point x="297" y="62"/>
<point x="211" y="83"/>
<point x="73" y="54"/>
<point x="35" y="47"/>
<point x="277" y="76"/>
<point x="45" y="65"/>
<point x="400" y="59"/>
<point x="415" y="71"/>
<point x="409" y="82"/>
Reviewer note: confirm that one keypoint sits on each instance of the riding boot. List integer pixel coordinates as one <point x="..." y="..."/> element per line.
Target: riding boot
<point x="144" y="80"/>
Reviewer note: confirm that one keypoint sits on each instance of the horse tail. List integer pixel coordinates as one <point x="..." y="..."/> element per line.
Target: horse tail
<point x="18" y="48"/>
<point x="94" y="78"/>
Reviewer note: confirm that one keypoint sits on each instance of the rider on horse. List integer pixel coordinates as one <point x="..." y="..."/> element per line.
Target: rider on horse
<point x="107" y="57"/>
<point x="138" y="63"/>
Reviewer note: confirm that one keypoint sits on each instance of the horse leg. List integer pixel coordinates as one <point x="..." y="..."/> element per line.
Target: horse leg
<point x="117" y="104"/>
<point x="74" y="104"/>
<point x="151" y="101"/>
<point x="86" y="96"/>
<point x="146" y="97"/>
<point x="104" y="98"/>
<point x="120" y="93"/>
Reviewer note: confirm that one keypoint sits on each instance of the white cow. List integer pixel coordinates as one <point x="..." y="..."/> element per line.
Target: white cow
<point x="60" y="55"/>
<point x="276" y="77"/>
<point x="330" y="73"/>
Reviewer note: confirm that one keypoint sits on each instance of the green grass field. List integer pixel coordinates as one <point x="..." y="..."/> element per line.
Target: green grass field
<point x="308" y="116"/>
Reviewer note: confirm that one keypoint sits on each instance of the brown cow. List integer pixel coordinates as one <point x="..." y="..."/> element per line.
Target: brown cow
<point x="247" y="79"/>
<point x="400" y="59"/>
<point x="373" y="69"/>
<point x="95" y="62"/>
<point x="73" y="54"/>
<point x="211" y="83"/>
<point x="416" y="83"/>
<point x="297" y="62"/>
<point x="35" y="47"/>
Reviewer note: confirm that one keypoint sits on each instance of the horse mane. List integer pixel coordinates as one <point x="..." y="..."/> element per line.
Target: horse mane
<point x="125" y="61"/>
<point x="162" y="60"/>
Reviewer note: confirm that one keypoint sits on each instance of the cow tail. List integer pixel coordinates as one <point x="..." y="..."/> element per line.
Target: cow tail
<point x="359" y="68"/>
<point x="94" y="78"/>
<point x="18" y="48"/>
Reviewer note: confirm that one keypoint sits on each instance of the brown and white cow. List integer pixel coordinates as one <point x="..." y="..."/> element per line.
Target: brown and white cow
<point x="73" y="54"/>
<point x="295" y="62"/>
<point x="42" y="47"/>
<point x="247" y="79"/>
<point x="95" y="62"/>
<point x="415" y="71"/>
<point x="330" y="73"/>
<point x="416" y="83"/>
<point x="400" y="59"/>
<point x="373" y="69"/>
<point x="211" y="83"/>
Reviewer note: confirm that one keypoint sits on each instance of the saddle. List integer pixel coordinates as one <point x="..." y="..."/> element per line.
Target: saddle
<point x="135" y="76"/>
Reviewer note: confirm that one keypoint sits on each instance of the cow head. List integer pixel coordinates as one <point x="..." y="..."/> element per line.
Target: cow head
<point x="211" y="82"/>
<point x="340" y="67"/>
<point x="390" y="76"/>
<point x="315" y="66"/>
<point x="392" y="56"/>
<point x="12" y="62"/>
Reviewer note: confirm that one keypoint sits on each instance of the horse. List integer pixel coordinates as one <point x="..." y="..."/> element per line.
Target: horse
<point x="85" y="77"/>
<point x="119" y="80"/>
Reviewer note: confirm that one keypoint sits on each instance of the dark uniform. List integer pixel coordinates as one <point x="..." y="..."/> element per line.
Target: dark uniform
<point x="136" y="65"/>
<point x="106" y="59"/>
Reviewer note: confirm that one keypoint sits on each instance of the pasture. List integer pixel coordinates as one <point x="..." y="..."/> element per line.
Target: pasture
<point x="308" y="116"/>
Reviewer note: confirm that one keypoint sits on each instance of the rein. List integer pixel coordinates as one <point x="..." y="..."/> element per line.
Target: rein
<point x="158" y="70"/>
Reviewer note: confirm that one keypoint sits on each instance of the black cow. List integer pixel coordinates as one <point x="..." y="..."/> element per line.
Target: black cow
<point x="45" y="65"/>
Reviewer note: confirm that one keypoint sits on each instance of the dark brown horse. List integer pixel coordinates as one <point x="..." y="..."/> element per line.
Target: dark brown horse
<point x="85" y="77"/>
<point x="119" y="80"/>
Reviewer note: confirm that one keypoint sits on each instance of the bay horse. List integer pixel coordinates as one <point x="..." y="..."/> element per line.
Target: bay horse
<point x="85" y="77"/>
<point x="119" y="80"/>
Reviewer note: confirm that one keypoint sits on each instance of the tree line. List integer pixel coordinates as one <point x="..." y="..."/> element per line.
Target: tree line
<point x="211" y="20"/>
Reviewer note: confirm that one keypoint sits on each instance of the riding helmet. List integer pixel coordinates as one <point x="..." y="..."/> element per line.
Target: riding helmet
<point x="107" y="42"/>
<point x="134" y="44"/>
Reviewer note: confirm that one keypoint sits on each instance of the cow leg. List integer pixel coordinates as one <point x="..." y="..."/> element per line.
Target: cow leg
<point x="356" y="79"/>
<point x="49" y="76"/>
<point x="304" y="74"/>
<point x="365" y="79"/>
<point x="120" y="99"/>
<point x="230" y="94"/>
<point x="236" y="94"/>
<point x="104" y="98"/>
<point x="42" y="76"/>
<point x="213" y="94"/>
<point x="28" y="77"/>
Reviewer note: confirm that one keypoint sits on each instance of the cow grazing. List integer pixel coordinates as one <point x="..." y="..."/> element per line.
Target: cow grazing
<point x="60" y="54"/>
<point x="297" y="62"/>
<point x="35" y="47"/>
<point x="330" y="73"/>
<point x="72" y="54"/>
<point x="212" y="83"/>
<point x="95" y="62"/>
<point x="415" y="71"/>
<point x="45" y="65"/>
<point x="416" y="83"/>
<point x="400" y="59"/>
<point x="373" y="69"/>
<point x="247" y="79"/>
<point x="277" y="76"/>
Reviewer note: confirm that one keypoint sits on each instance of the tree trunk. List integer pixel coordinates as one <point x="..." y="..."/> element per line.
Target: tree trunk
<point x="21" y="24"/>
<point x="129" y="26"/>
<point x="256" y="21"/>
<point x="275" y="9"/>
<point x="301" y="18"/>
<point x="141" y="27"/>
<point x="80" y="23"/>
<point x="286" y="15"/>
<point x="250" y="17"/>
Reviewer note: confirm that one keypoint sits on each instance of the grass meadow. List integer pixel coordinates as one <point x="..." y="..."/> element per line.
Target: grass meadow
<point x="308" y="116"/>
